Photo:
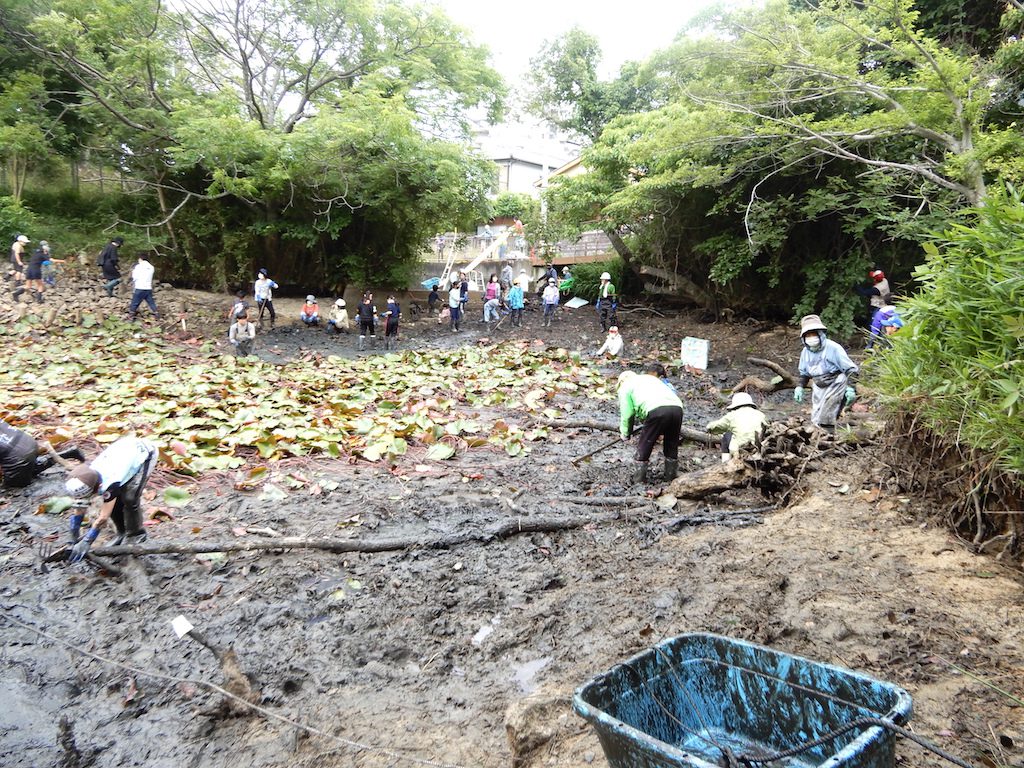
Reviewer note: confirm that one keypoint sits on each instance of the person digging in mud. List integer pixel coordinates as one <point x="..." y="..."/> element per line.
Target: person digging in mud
<point x="740" y="427"/>
<point x="433" y="300"/>
<point x="242" y="335"/>
<point x="644" y="398"/>
<point x="825" y="364"/>
<point x="367" y="315"/>
<point x="391" y="317"/>
<point x="337" y="321"/>
<point x="657" y="370"/>
<point x="120" y="474"/>
<point x="612" y="346"/>
<point x="22" y="457"/>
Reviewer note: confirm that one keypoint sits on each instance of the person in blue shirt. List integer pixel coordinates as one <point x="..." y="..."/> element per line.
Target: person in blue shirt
<point x="885" y="322"/>
<point x="516" y="302"/>
<point x="830" y="371"/>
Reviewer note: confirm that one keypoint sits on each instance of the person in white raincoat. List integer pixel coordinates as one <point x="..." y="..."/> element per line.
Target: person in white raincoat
<point x="830" y="371"/>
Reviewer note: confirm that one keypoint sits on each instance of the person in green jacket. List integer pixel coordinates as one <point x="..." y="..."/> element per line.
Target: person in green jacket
<point x="741" y="426"/>
<point x="645" y="398"/>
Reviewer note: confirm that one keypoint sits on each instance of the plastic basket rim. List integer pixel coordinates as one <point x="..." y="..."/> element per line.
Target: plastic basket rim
<point x="903" y="704"/>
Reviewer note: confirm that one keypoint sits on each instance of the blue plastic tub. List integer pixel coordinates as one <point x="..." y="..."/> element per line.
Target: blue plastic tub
<point x="679" y="702"/>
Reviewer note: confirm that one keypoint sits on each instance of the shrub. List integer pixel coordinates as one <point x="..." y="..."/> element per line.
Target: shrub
<point x="957" y="365"/>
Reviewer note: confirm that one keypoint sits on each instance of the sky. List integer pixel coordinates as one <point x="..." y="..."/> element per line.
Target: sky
<point x="515" y="31"/>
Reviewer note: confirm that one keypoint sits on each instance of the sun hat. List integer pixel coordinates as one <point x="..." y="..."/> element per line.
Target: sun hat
<point x="810" y="323"/>
<point x="605" y="276"/>
<point x="23" y="239"/>
<point x="311" y="298"/>
<point x="739" y="400"/>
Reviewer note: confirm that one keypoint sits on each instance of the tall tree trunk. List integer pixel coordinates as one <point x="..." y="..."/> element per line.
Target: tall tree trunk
<point x="165" y="210"/>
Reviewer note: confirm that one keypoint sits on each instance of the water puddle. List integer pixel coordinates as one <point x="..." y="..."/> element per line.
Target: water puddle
<point x="523" y="675"/>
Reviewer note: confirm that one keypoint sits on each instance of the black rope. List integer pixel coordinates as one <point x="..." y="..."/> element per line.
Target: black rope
<point x="853" y="724"/>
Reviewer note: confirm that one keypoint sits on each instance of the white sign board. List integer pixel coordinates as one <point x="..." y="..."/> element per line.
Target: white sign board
<point x="694" y="353"/>
<point x="576" y="303"/>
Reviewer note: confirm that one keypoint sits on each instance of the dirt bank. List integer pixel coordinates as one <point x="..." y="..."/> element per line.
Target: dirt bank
<point x="422" y="653"/>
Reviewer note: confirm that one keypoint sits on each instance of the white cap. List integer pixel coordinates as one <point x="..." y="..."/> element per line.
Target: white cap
<point x="23" y="239"/>
<point x="551" y="281"/>
<point x="339" y="303"/>
<point x="605" y="276"/>
<point x="311" y="297"/>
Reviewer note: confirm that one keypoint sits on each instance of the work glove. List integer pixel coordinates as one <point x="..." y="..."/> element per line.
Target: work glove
<point x="82" y="546"/>
<point x="798" y="394"/>
<point x="851" y="395"/>
<point x="75" y="527"/>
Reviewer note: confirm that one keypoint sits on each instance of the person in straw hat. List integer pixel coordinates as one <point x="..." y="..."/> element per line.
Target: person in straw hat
<point x="741" y="426"/>
<point x="830" y="371"/>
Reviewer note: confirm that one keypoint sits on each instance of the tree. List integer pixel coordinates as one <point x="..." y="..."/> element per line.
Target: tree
<point x="300" y="136"/>
<point x="568" y="92"/>
<point x="797" y="147"/>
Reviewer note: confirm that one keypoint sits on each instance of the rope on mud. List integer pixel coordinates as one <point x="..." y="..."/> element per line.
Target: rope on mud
<point x="227" y="694"/>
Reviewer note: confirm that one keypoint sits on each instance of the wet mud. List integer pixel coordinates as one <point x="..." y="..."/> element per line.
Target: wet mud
<point x="468" y="655"/>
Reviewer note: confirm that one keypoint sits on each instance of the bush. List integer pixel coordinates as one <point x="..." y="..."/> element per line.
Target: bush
<point x="957" y="363"/>
<point x="15" y="219"/>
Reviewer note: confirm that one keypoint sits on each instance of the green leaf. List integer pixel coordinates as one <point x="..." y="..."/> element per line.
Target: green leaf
<point x="176" y="497"/>
<point x="55" y="505"/>
<point x="440" y="452"/>
<point x="272" y="493"/>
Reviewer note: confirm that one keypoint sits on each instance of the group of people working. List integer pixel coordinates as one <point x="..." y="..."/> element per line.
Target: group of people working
<point x="242" y="333"/>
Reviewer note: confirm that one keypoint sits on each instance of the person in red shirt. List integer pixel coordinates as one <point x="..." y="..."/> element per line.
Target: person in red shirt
<point x="310" y="314"/>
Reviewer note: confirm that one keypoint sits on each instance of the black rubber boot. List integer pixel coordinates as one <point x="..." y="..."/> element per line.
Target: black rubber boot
<point x="17" y="292"/>
<point x="640" y="473"/>
<point x="71" y="453"/>
<point x="671" y="468"/>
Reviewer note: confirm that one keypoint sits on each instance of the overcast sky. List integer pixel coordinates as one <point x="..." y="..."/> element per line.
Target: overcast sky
<point x="515" y="31"/>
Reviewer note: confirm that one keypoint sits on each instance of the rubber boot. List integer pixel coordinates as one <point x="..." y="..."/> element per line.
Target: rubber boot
<point x="373" y="341"/>
<point x="17" y="292"/>
<point x="362" y="343"/>
<point x="671" y="469"/>
<point x="387" y="343"/>
<point x="71" y="453"/>
<point x="640" y="473"/>
<point x="38" y="296"/>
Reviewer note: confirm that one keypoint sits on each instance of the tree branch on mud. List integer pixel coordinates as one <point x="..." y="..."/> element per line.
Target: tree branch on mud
<point x="497" y="531"/>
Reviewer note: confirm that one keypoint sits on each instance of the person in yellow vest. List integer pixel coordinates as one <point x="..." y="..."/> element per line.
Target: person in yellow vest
<point x="740" y="427"/>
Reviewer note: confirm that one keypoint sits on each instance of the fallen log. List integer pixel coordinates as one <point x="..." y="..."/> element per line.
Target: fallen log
<point x="496" y="531"/>
<point x="786" y="380"/>
<point x="714" y="479"/>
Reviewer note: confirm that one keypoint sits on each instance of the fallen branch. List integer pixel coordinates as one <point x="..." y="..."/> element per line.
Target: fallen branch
<point x="686" y="433"/>
<point x="786" y="379"/>
<point x="496" y="531"/>
<point x="748" y="516"/>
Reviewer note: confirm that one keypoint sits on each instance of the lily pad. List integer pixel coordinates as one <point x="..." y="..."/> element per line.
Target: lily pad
<point x="176" y="497"/>
<point x="440" y="452"/>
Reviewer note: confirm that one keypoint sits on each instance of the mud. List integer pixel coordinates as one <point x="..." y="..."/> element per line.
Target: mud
<point x="469" y="656"/>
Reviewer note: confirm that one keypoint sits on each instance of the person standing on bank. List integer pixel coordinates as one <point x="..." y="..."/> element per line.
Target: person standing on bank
<point x="120" y="474"/>
<point x="108" y="264"/>
<point x="142" y="278"/>
<point x="826" y="365"/>
<point x="645" y="398"/>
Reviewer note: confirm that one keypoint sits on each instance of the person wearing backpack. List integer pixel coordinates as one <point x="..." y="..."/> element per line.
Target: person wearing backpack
<point x="107" y="262"/>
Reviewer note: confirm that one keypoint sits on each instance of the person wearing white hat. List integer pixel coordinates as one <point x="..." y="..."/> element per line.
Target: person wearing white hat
<point x="607" y="302"/>
<point x="741" y="426"/>
<point x="645" y="398"/>
<point x="337" y="321"/>
<point x="17" y="270"/>
<point x="550" y="297"/>
<point x="119" y="474"/>
<point x="612" y="346"/>
<point x="310" y="313"/>
<point x="263" y="292"/>
<point x="830" y="371"/>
